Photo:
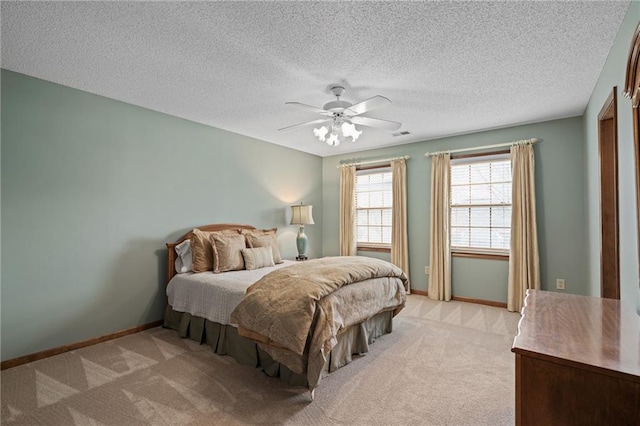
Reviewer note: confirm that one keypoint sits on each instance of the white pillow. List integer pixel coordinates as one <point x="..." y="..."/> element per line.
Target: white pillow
<point x="183" y="261"/>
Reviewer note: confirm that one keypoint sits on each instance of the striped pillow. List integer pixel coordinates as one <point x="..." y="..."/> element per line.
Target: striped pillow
<point x="256" y="258"/>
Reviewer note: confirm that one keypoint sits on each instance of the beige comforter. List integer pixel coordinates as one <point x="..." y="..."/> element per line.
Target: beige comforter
<point x="297" y="312"/>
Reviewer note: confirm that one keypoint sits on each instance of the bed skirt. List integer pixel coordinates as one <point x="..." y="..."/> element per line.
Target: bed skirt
<point x="225" y="340"/>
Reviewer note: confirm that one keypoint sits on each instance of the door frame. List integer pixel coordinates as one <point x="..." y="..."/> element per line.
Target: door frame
<point x="609" y="215"/>
<point x="632" y="91"/>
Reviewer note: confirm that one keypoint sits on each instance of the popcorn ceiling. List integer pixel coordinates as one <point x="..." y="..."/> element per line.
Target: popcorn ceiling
<point x="448" y="67"/>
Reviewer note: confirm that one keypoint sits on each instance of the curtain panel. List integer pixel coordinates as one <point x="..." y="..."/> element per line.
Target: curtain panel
<point x="399" y="244"/>
<point x="440" y="255"/>
<point x="524" y="263"/>
<point x="348" y="244"/>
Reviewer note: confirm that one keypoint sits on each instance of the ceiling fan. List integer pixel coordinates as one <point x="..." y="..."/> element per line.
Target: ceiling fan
<point x="341" y="117"/>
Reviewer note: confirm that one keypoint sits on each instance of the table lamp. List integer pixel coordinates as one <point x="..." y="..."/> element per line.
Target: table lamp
<point x="301" y="215"/>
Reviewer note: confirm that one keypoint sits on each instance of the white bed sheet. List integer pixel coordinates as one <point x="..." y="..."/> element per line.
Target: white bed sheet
<point x="213" y="296"/>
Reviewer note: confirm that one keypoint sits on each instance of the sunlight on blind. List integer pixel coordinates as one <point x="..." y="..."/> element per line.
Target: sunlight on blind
<point x="481" y="203"/>
<point x="373" y="206"/>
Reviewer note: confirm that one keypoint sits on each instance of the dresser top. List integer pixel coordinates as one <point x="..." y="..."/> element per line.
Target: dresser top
<point x="591" y="332"/>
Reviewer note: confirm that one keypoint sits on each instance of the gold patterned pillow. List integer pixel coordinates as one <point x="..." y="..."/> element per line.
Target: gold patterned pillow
<point x="256" y="258"/>
<point x="202" y="250"/>
<point x="270" y="231"/>
<point x="265" y="240"/>
<point x="227" y="252"/>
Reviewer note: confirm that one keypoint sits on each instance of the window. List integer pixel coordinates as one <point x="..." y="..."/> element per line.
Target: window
<point x="373" y="208"/>
<point x="481" y="204"/>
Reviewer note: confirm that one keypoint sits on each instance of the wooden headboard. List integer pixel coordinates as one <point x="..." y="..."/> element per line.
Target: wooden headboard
<point x="171" y="252"/>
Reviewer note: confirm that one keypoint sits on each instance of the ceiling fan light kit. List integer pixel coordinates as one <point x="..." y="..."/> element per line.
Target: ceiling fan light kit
<point x="341" y="115"/>
<point x="339" y="126"/>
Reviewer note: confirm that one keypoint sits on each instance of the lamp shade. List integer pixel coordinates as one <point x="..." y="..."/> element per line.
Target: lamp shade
<point x="302" y="215"/>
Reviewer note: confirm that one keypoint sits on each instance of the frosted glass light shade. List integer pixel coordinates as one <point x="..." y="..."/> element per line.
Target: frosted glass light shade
<point x="349" y="130"/>
<point x="333" y="140"/>
<point x="302" y="215"/>
<point x="321" y="133"/>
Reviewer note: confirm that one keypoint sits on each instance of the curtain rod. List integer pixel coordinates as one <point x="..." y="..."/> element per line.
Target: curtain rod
<point x="476" y="148"/>
<point x="382" y="160"/>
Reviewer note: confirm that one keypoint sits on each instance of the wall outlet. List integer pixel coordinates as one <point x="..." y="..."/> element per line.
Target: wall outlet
<point x="560" y="283"/>
<point x="426" y="270"/>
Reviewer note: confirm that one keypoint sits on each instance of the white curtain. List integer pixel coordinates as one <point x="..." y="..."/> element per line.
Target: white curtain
<point x="348" y="245"/>
<point x="440" y="257"/>
<point x="399" y="245"/>
<point x="524" y="264"/>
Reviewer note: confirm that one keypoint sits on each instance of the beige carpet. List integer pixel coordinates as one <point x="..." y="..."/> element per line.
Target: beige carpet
<point x="444" y="364"/>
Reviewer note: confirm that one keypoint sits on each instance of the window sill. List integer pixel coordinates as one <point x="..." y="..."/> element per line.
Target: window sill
<point x="379" y="249"/>
<point x="476" y="255"/>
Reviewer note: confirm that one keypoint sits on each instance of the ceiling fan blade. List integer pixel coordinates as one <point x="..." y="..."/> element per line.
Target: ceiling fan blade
<point x="310" y="108"/>
<point x="318" y="121"/>
<point x="375" y="122"/>
<point x="367" y="105"/>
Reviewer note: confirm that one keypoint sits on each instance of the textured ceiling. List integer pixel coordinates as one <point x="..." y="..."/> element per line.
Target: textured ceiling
<point x="448" y="67"/>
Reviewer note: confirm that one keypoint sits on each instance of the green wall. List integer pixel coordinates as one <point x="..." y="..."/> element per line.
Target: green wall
<point x="560" y="208"/>
<point x="613" y="74"/>
<point x="93" y="188"/>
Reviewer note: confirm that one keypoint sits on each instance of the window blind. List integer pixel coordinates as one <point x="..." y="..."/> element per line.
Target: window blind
<point x="481" y="203"/>
<point x="373" y="206"/>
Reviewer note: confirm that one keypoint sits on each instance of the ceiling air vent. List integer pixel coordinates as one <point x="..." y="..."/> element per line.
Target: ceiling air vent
<point x="404" y="133"/>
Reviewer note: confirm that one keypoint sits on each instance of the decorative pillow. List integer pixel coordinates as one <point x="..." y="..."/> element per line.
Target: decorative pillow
<point x="227" y="252"/>
<point x="260" y="231"/>
<point x="256" y="258"/>
<point x="265" y="240"/>
<point x="202" y="250"/>
<point x="183" y="261"/>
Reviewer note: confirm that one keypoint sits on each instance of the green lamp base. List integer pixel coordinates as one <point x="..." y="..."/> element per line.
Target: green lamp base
<point x="301" y="242"/>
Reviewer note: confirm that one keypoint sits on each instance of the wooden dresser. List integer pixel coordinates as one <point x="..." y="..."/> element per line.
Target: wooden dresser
<point x="577" y="361"/>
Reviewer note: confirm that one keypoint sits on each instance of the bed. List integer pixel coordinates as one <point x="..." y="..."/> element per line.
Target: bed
<point x="231" y="311"/>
